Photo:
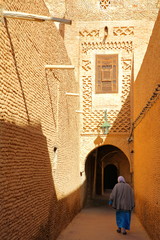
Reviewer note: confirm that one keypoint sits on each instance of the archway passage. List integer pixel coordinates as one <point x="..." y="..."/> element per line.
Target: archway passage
<point x="103" y="166"/>
<point x="110" y="176"/>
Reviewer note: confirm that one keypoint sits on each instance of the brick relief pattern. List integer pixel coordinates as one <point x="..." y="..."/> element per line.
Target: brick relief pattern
<point x="121" y="122"/>
<point x="92" y="122"/>
<point x="85" y="33"/>
<point x="126" y="83"/>
<point x="104" y="3"/>
<point x="138" y="5"/>
<point x="126" y="64"/>
<point x="86" y="65"/>
<point x="87" y="93"/>
<point x="125" y="45"/>
<point x="123" y="31"/>
<point x="93" y="119"/>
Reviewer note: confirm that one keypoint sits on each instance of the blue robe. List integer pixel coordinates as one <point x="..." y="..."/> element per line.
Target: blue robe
<point x="123" y="219"/>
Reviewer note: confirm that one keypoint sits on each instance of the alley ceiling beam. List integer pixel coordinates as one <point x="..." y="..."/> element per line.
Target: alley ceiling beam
<point x="59" y="67"/>
<point x="72" y="94"/>
<point x="79" y="111"/>
<point x="32" y="17"/>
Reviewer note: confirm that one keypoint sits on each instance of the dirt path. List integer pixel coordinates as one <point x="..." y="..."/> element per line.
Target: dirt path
<point x="99" y="224"/>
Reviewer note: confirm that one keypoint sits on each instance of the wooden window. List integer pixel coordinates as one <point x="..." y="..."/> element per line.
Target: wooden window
<point x="106" y="74"/>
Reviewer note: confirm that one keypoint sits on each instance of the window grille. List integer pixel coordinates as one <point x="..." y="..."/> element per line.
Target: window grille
<point x="106" y="74"/>
<point x="104" y="4"/>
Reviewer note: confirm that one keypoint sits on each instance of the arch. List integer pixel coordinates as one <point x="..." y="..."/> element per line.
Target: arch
<point x="114" y="146"/>
<point x="102" y="167"/>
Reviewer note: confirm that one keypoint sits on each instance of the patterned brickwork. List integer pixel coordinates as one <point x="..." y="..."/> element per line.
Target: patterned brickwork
<point x="22" y="200"/>
<point x="88" y="46"/>
<point x="104" y="3"/>
<point x="93" y="33"/>
<point x="93" y="119"/>
<point x="37" y="199"/>
<point x="126" y="84"/>
<point x="87" y="89"/>
<point x="104" y="10"/>
<point x="138" y="5"/>
<point x="123" y="31"/>
<point x="126" y="64"/>
<point x="86" y="65"/>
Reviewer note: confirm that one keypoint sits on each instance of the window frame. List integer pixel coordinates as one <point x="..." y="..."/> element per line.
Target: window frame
<point x="98" y="73"/>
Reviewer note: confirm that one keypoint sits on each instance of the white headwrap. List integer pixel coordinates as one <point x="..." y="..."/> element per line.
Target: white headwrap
<point x="121" y="179"/>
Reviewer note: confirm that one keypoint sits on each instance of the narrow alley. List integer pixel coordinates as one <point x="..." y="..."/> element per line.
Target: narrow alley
<point x="98" y="223"/>
<point x="79" y="108"/>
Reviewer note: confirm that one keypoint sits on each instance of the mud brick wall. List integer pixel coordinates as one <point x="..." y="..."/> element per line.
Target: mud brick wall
<point x="147" y="138"/>
<point x="40" y="180"/>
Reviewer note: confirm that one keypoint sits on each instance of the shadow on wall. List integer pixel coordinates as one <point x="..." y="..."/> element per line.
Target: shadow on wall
<point x="121" y="125"/>
<point x="30" y="209"/>
<point x="16" y="67"/>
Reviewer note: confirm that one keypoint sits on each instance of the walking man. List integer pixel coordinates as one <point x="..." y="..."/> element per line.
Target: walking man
<point x="122" y="200"/>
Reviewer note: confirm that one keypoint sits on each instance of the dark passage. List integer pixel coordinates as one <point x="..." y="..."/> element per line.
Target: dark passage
<point x="110" y="176"/>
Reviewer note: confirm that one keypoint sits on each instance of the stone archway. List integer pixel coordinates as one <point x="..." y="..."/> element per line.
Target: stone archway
<point x="102" y="167"/>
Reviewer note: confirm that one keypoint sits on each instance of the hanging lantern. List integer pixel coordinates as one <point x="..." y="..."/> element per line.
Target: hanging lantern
<point x="106" y="125"/>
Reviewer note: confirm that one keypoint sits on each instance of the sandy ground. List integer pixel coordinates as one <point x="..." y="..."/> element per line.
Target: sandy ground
<point x="98" y="223"/>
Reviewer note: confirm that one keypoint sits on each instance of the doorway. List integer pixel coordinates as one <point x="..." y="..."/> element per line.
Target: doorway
<point x="110" y="176"/>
